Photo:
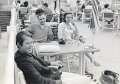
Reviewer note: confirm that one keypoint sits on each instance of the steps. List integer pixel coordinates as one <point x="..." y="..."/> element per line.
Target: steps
<point x="5" y="17"/>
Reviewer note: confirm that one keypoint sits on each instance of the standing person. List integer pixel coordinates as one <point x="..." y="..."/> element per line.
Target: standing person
<point x="46" y="9"/>
<point x="18" y="3"/>
<point x="35" y="70"/>
<point x="79" y="9"/>
<point x="41" y="32"/>
<point x="48" y="12"/>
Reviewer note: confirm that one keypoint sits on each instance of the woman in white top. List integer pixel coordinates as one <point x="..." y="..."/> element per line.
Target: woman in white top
<point x="66" y="30"/>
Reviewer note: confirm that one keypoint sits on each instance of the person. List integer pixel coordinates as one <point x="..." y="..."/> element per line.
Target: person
<point x="79" y="9"/>
<point x="66" y="30"/>
<point x="41" y="31"/>
<point x="18" y="3"/>
<point x="35" y="70"/>
<point x="107" y="10"/>
<point x="48" y="12"/>
<point x="46" y="9"/>
<point x="33" y="17"/>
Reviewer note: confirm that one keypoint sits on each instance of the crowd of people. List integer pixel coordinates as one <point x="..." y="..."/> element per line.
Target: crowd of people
<point x="35" y="69"/>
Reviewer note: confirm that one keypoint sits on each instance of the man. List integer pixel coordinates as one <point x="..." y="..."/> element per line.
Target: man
<point x="41" y="32"/>
<point x="35" y="70"/>
<point x="46" y="9"/>
<point x="48" y="12"/>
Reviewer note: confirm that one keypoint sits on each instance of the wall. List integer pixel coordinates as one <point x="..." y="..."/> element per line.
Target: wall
<point x="5" y="2"/>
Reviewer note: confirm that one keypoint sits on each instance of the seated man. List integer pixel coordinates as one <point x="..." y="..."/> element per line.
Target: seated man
<point x="41" y="31"/>
<point x="35" y="70"/>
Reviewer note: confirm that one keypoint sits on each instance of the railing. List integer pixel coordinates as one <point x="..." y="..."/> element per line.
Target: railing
<point x="9" y="63"/>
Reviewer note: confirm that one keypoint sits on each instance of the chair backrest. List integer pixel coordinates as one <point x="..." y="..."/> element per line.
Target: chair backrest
<point x="88" y="12"/>
<point x="49" y="17"/>
<point x="23" y="10"/>
<point x="108" y="15"/>
<point x="19" y="77"/>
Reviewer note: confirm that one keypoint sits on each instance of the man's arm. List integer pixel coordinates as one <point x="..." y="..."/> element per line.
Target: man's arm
<point x="50" y="34"/>
<point x="32" y="74"/>
<point x="60" y="31"/>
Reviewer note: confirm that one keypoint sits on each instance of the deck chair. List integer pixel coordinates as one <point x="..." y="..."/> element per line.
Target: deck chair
<point x="108" y="20"/>
<point x="54" y="26"/>
<point x="49" y="17"/>
<point x="19" y="77"/>
<point x="87" y="14"/>
<point x="23" y="11"/>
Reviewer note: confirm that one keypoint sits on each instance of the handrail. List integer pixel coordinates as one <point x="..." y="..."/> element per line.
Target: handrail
<point x="9" y="66"/>
<point x="9" y="63"/>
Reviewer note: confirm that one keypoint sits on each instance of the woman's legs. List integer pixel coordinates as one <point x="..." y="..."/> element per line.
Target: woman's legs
<point x="89" y="56"/>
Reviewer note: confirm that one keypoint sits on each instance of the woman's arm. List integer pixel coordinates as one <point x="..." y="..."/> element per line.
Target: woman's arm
<point x="60" y="31"/>
<point x="75" y="31"/>
<point x="50" y="34"/>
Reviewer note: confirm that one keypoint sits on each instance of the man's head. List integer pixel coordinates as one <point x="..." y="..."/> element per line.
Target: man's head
<point x="24" y="42"/>
<point x="39" y="10"/>
<point x="106" y="5"/>
<point x="41" y="18"/>
<point x="26" y="4"/>
<point x="45" y="5"/>
<point x="18" y="2"/>
<point x="78" y="2"/>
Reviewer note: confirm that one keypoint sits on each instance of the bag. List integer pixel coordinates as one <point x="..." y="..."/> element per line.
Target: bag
<point x="109" y="77"/>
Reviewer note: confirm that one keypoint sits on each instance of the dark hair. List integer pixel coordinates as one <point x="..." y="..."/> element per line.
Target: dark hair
<point x="45" y="4"/>
<point x="40" y="14"/>
<point x="77" y="1"/>
<point x="64" y="16"/>
<point x="106" y="5"/>
<point x="39" y="10"/>
<point x="18" y="1"/>
<point x="26" y="4"/>
<point x="20" y="37"/>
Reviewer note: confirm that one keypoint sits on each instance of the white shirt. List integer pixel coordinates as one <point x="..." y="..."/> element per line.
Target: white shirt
<point x="64" y="32"/>
<point x="106" y="11"/>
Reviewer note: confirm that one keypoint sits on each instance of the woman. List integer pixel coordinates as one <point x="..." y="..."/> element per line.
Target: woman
<point x="66" y="30"/>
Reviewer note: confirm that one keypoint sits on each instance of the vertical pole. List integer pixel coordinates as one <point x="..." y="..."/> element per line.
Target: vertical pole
<point x="0" y="33"/>
<point x="59" y="11"/>
<point x="81" y="63"/>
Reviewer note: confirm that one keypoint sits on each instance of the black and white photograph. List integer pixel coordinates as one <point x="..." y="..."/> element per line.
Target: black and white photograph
<point x="59" y="41"/>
